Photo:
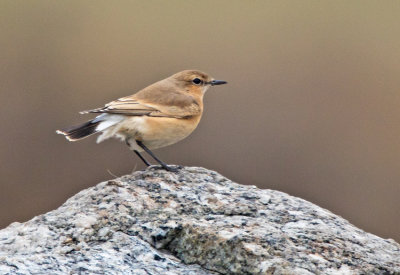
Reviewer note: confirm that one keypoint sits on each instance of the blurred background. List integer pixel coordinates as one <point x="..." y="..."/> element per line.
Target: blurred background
<point x="312" y="107"/>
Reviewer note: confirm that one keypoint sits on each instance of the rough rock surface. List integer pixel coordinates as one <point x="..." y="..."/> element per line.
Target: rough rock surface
<point x="191" y="222"/>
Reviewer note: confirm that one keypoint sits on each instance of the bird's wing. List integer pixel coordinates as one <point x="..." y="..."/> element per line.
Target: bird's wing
<point x="124" y="106"/>
<point x="154" y="103"/>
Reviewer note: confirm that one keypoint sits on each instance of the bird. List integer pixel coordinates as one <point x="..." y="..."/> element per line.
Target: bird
<point x="159" y="115"/>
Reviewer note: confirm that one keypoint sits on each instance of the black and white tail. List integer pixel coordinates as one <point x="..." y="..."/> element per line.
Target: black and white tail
<point x="81" y="131"/>
<point x="100" y="123"/>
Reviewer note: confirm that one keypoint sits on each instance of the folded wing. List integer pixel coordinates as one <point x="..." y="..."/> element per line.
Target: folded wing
<point x="180" y="106"/>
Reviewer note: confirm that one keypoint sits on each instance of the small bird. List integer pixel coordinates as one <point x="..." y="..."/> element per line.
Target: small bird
<point x="157" y="116"/>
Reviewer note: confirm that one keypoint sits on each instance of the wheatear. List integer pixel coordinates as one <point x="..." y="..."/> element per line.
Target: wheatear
<point x="157" y="116"/>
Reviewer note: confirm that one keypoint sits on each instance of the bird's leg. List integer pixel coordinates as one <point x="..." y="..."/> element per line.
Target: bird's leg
<point x="163" y="164"/>
<point x="142" y="158"/>
<point x="138" y="154"/>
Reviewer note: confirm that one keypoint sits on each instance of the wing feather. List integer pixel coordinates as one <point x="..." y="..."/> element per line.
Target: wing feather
<point x="156" y="104"/>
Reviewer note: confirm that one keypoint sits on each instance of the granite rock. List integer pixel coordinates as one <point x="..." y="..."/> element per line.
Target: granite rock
<point x="194" y="221"/>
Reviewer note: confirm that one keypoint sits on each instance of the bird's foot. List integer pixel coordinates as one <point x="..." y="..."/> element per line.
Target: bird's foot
<point x="169" y="168"/>
<point x="172" y="169"/>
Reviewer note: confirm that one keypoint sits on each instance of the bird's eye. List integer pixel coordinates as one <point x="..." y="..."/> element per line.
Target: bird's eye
<point x="197" y="81"/>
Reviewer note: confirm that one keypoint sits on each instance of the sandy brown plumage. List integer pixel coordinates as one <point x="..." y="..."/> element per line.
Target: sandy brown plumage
<point x="159" y="115"/>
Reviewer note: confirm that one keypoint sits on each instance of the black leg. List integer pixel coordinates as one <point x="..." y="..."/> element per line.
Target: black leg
<point x="142" y="158"/>
<point x="163" y="164"/>
<point x="138" y="154"/>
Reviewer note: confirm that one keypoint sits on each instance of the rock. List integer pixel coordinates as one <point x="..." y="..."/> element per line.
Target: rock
<point x="194" y="221"/>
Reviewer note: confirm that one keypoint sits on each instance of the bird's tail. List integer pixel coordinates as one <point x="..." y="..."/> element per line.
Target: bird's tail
<point x="81" y="131"/>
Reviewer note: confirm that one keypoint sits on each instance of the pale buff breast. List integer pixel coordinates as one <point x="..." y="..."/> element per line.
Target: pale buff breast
<point x="155" y="132"/>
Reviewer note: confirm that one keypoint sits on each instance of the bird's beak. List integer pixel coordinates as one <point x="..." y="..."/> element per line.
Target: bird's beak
<point x="217" y="82"/>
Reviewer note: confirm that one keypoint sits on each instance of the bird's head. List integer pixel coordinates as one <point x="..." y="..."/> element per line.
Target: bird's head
<point x="195" y="81"/>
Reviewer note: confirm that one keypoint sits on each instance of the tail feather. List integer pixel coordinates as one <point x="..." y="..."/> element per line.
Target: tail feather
<point x="81" y="131"/>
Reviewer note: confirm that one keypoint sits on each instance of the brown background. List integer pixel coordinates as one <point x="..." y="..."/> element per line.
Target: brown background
<point x="312" y="107"/>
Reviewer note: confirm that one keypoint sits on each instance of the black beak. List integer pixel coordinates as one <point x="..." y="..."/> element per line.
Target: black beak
<point x="217" y="82"/>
